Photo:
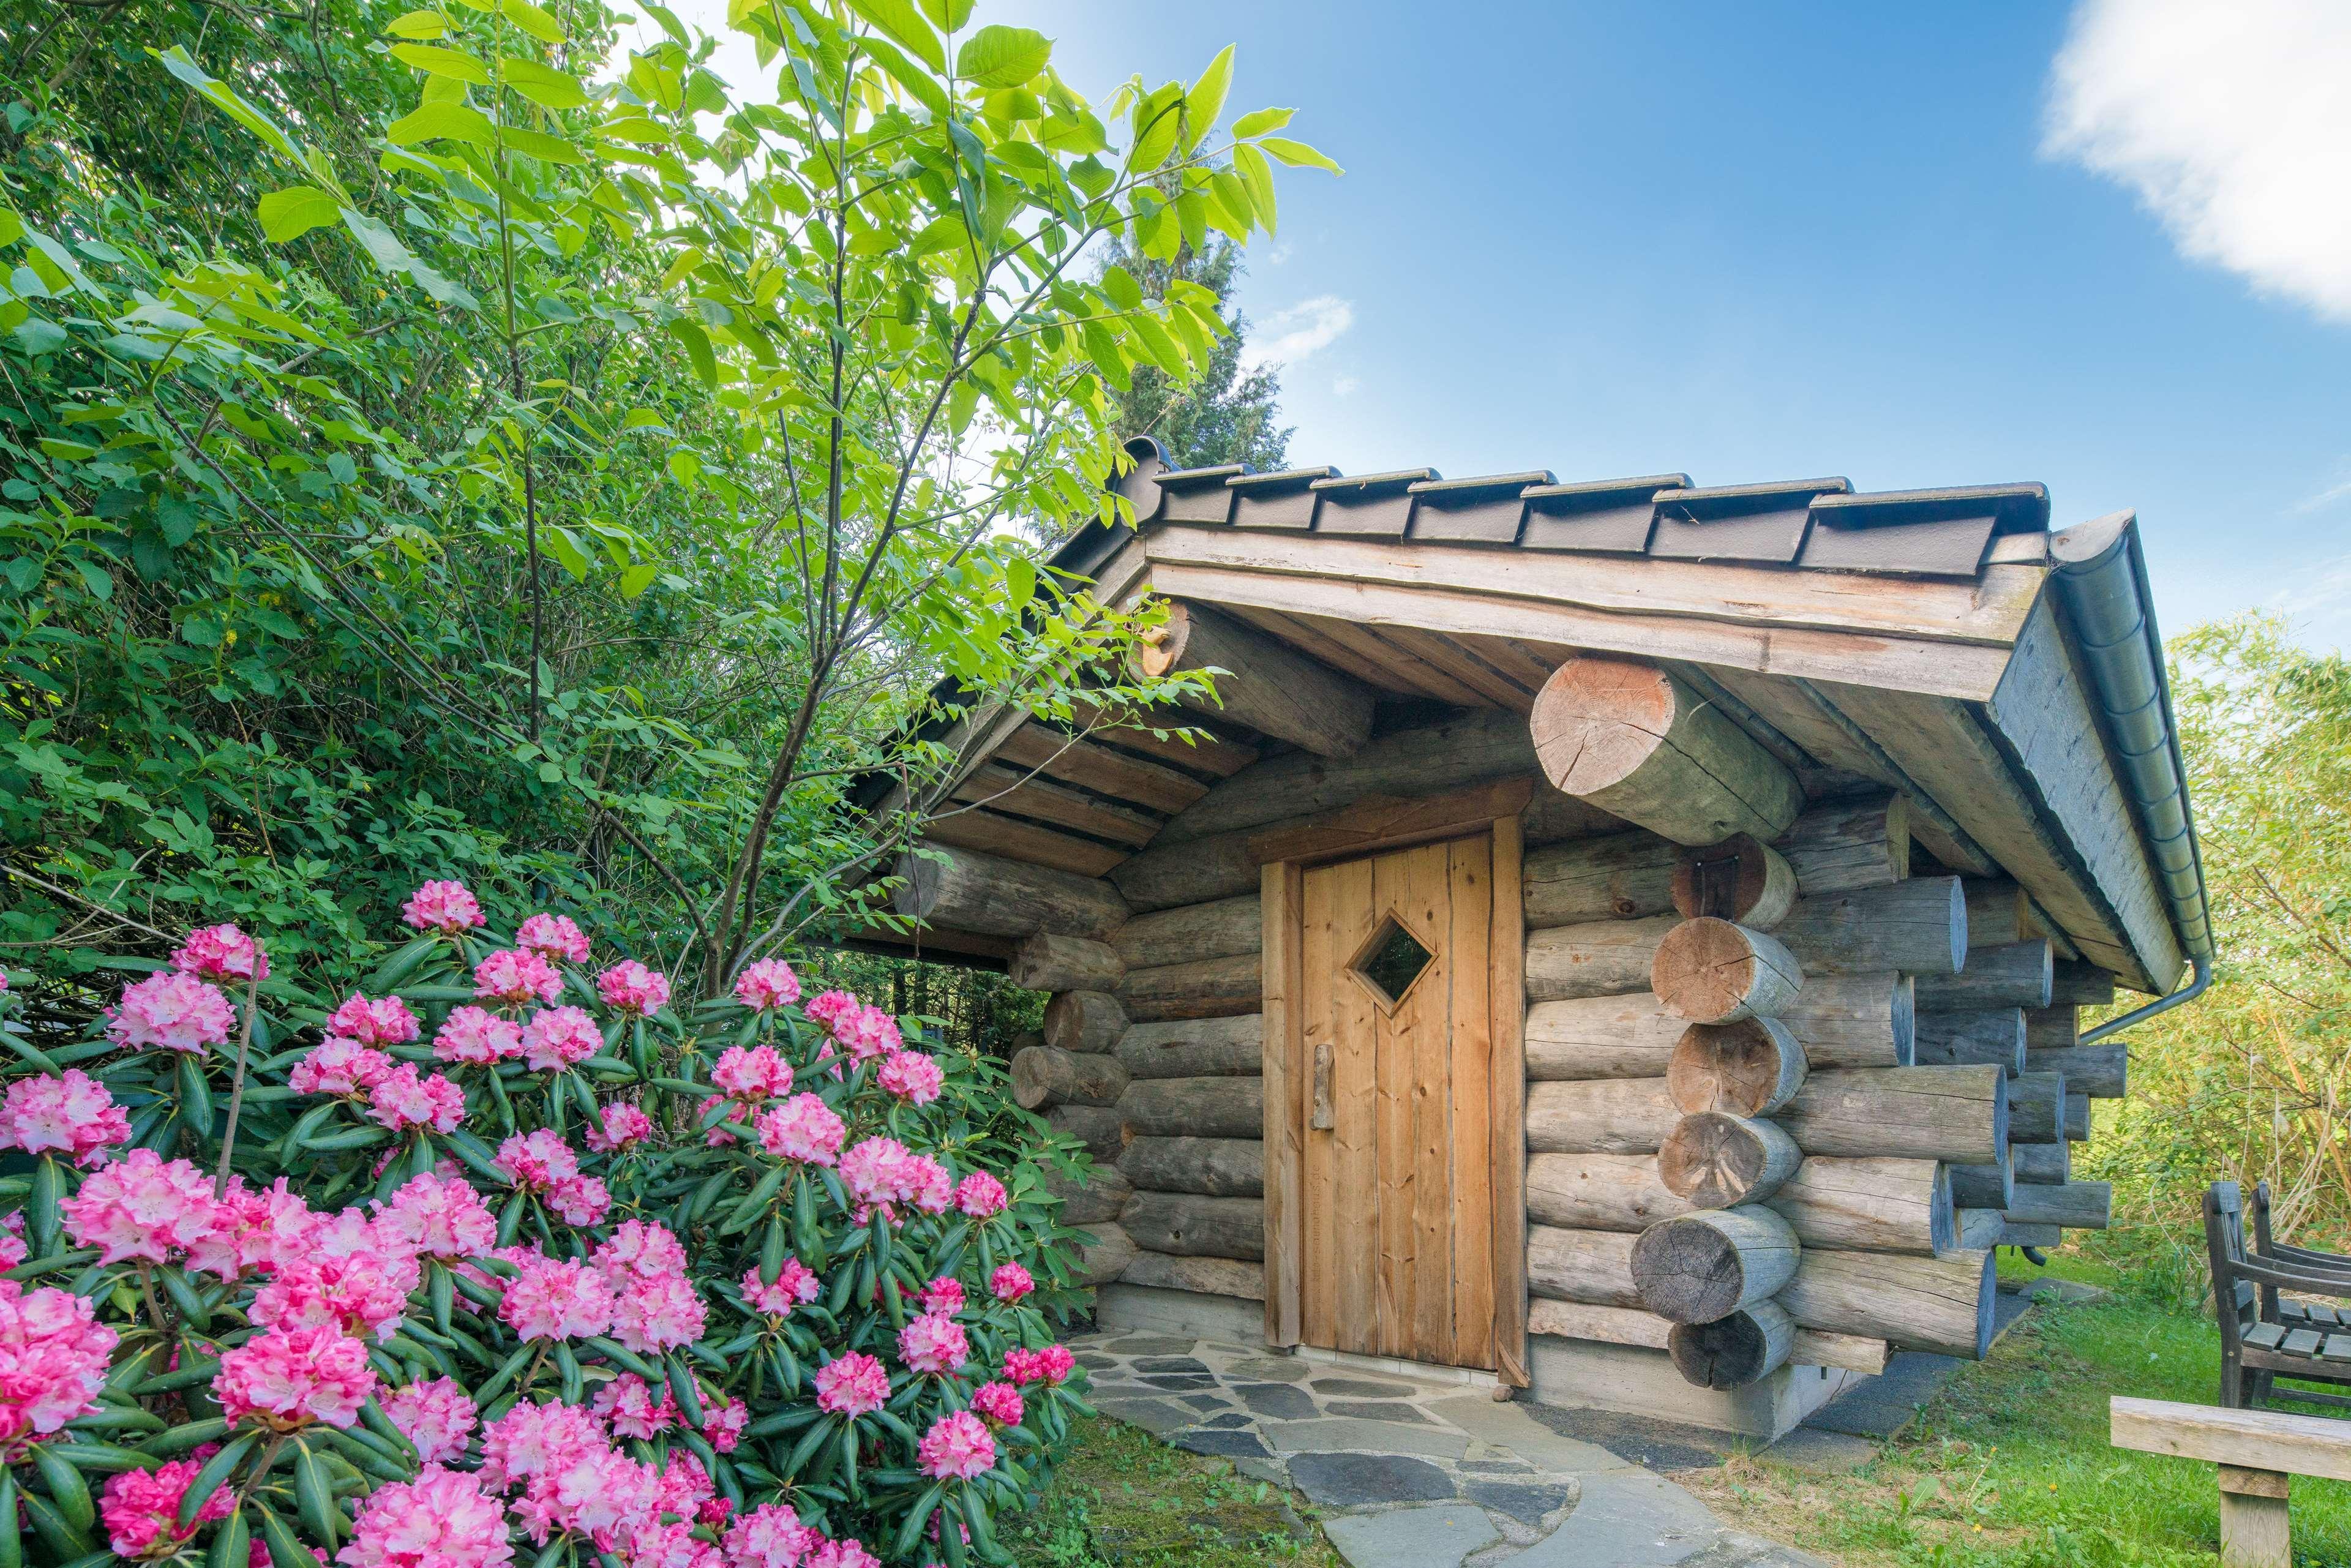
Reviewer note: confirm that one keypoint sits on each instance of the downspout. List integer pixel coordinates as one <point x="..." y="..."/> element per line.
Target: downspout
<point x="2187" y="993"/>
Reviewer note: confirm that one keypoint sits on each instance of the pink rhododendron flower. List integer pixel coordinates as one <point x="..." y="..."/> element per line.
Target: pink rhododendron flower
<point x="140" y="1510"/>
<point x="911" y="1076"/>
<point x="436" y="1417"/>
<point x="339" y="1065"/>
<point x="170" y="1011"/>
<point x="980" y="1194"/>
<point x="517" y="978"/>
<point x="944" y="1294"/>
<point x="716" y="1135"/>
<point x="753" y="1072"/>
<point x="933" y="1344"/>
<point x="1010" y="1282"/>
<point x="867" y="1033"/>
<point x="639" y="1250"/>
<point x="551" y="1297"/>
<point x="851" y="1385"/>
<point x="287" y="1379"/>
<point x="958" y="1446"/>
<point x="831" y="1005"/>
<point x="771" y="1536"/>
<point x="440" y="1519"/>
<point x="536" y="1161"/>
<point x="628" y="1406"/>
<point x="795" y="1285"/>
<point x="624" y="1124"/>
<point x="439" y="1217"/>
<point x="266" y="1230"/>
<point x="875" y="1171"/>
<point x="555" y="1038"/>
<point x="476" y="1035"/>
<point x="998" y="1402"/>
<point x="447" y="907"/>
<point x="221" y="953"/>
<point x="533" y="1440"/>
<point x="723" y="1421"/>
<point x="362" y="1292"/>
<point x="13" y="1252"/>
<point x="378" y="1022"/>
<point x="803" y="1128"/>
<point x="628" y="986"/>
<point x="72" y="1115"/>
<point x="769" y="982"/>
<point x="52" y="1361"/>
<point x="554" y="936"/>
<point x="142" y="1206"/>
<point x="1051" y="1365"/>
<point x="843" y="1553"/>
<point x="658" y="1313"/>
<point x="580" y="1200"/>
<point x="407" y="1099"/>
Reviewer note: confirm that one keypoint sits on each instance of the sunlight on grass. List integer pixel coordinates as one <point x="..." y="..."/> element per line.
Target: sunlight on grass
<point x="2010" y="1467"/>
<point x="1123" y="1498"/>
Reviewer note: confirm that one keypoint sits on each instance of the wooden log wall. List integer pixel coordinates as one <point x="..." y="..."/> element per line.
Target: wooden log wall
<point x="1789" y="1160"/>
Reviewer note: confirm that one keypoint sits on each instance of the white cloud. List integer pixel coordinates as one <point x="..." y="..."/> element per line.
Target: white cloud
<point x="1340" y="386"/>
<point x="1289" y="335"/>
<point x="2230" y="121"/>
<point x="2326" y="589"/>
<point x="2320" y="501"/>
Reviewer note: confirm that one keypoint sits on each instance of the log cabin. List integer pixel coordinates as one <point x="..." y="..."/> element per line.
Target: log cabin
<point x="1624" y="939"/>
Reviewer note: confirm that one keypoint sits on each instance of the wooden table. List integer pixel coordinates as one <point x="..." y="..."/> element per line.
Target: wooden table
<point x="2258" y="1452"/>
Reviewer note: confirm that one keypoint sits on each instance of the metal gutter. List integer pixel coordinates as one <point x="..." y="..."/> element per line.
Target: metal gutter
<point x="2102" y="586"/>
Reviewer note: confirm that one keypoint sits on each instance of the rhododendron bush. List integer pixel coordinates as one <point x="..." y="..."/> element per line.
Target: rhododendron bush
<point x="512" y="1253"/>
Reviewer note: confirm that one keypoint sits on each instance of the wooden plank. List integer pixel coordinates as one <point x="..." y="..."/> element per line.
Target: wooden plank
<point x="1282" y="896"/>
<point x="1352" y="1211"/>
<point x="1397" y="1067"/>
<point x="2251" y="1439"/>
<point x="1016" y="839"/>
<point x="1507" y="1100"/>
<point x="1397" y="655"/>
<point x="1467" y="1100"/>
<point x="1099" y="769"/>
<point x="1318" y="966"/>
<point x="1014" y="793"/>
<point x="1206" y="752"/>
<point x="1380" y="823"/>
<point x="1918" y="663"/>
<point x="1427" y="871"/>
<point x="1307" y="638"/>
<point x="1458" y="662"/>
<point x="1513" y="660"/>
<point x="2042" y="710"/>
<point x="1940" y="744"/>
<point x="1985" y="611"/>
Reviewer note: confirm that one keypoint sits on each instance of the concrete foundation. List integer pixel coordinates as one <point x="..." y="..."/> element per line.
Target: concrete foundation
<point x="1574" y="1374"/>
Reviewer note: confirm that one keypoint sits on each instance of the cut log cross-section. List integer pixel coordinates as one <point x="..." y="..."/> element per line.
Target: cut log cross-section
<point x="1731" y="1352"/>
<point x="1269" y="685"/>
<point x="1719" y="1161"/>
<point x="1737" y="879"/>
<point x="1714" y="971"/>
<point x="1085" y="1022"/>
<point x="1697" y="1268"/>
<point x="1637" y="743"/>
<point x="1751" y="1068"/>
<point x="1042" y="1075"/>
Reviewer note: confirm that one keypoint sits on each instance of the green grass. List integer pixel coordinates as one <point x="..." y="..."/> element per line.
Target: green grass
<point x="1123" y="1498"/>
<point x="2009" y="1467"/>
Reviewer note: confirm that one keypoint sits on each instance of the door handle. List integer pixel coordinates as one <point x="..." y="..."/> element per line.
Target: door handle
<point x="1322" y="1120"/>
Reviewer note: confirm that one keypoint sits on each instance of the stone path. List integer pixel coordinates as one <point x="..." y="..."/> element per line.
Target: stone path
<point x="1410" y="1474"/>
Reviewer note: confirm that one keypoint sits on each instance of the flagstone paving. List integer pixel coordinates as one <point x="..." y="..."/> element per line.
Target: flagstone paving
<point x="1410" y="1474"/>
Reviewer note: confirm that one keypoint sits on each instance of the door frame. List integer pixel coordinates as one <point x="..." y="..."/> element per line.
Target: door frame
<point x="1370" y="827"/>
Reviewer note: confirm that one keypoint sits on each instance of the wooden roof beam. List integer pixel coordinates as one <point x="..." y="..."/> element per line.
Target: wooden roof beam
<point x="1269" y="686"/>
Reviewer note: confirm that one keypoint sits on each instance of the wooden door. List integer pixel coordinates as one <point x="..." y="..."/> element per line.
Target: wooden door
<point x="1397" y="1190"/>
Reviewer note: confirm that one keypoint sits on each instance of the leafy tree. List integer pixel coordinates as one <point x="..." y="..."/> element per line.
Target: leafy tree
<point x="1221" y="413"/>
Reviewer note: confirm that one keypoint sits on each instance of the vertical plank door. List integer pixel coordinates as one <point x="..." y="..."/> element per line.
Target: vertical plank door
<point x="1395" y="1056"/>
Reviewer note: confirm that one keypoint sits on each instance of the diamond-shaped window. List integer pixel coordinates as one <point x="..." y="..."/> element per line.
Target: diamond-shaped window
<point x="1391" y="961"/>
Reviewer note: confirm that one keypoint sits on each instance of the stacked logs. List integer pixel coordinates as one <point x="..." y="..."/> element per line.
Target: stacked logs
<point x="1748" y="1164"/>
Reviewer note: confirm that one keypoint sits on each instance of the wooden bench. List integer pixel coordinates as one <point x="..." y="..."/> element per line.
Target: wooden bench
<point x="2287" y="1310"/>
<point x="2259" y="1342"/>
<point x="2257" y="1450"/>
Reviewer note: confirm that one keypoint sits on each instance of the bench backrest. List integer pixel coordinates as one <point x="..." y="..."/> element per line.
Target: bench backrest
<point x="2236" y="1301"/>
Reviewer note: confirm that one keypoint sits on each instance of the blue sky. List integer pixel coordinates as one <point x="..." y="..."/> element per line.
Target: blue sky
<point x="1774" y="241"/>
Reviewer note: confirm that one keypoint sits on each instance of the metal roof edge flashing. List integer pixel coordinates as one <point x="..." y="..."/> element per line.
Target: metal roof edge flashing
<point x="2100" y="577"/>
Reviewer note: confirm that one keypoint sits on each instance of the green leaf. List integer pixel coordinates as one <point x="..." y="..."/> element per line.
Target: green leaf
<point x="438" y="121"/>
<point x="543" y="84"/>
<point x="417" y="24"/>
<point x="1296" y="154"/>
<point x="545" y="147"/>
<point x="290" y="213"/>
<point x="433" y="61"/>
<point x="175" y="61"/>
<point x="697" y="349"/>
<point x="950" y="15"/>
<point x="1259" y="121"/>
<point x="899" y="20"/>
<point x="1000" y="56"/>
<point x="1206" y="98"/>
<point x="638" y="578"/>
<point x="1122" y="288"/>
<point x="208" y="1480"/>
<point x="532" y="20"/>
